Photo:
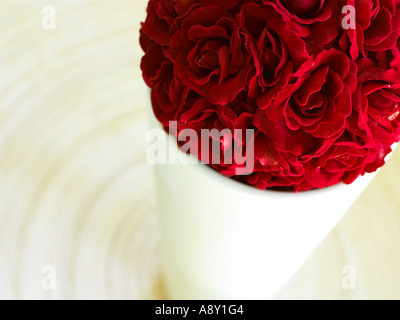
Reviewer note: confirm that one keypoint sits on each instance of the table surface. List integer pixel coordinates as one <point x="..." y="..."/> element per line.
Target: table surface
<point x="78" y="217"/>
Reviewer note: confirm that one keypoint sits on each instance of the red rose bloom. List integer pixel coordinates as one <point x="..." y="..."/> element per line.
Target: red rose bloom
<point x="323" y="101"/>
<point x="376" y="104"/>
<point x="377" y="26"/>
<point x="209" y="55"/>
<point x="316" y="100"/>
<point x="276" y="49"/>
<point x="318" y="20"/>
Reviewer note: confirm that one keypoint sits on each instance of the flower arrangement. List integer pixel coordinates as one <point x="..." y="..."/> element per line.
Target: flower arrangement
<point x="317" y="80"/>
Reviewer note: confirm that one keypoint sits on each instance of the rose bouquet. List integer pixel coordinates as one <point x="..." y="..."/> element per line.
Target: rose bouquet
<point x="319" y="86"/>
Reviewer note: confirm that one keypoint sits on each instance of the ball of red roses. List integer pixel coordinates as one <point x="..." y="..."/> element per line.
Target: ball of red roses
<point x="323" y="100"/>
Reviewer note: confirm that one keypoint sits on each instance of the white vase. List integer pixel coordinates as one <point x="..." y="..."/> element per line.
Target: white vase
<point x="222" y="239"/>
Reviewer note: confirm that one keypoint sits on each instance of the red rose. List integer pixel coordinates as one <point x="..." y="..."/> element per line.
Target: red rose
<point x="276" y="49"/>
<point x="318" y="21"/>
<point x="209" y="54"/>
<point x="377" y="26"/>
<point x="323" y="101"/>
<point x="315" y="100"/>
<point x="376" y="104"/>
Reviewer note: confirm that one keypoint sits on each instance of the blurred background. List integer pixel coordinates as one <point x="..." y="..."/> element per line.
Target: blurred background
<point x="78" y="216"/>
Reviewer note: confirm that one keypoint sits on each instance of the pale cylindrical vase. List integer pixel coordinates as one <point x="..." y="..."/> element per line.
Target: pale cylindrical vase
<point x="222" y="239"/>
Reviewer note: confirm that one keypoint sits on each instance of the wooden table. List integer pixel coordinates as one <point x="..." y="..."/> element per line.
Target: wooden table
<point x="77" y="198"/>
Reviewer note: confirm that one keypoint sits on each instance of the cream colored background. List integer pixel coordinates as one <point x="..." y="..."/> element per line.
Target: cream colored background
<point x="75" y="190"/>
